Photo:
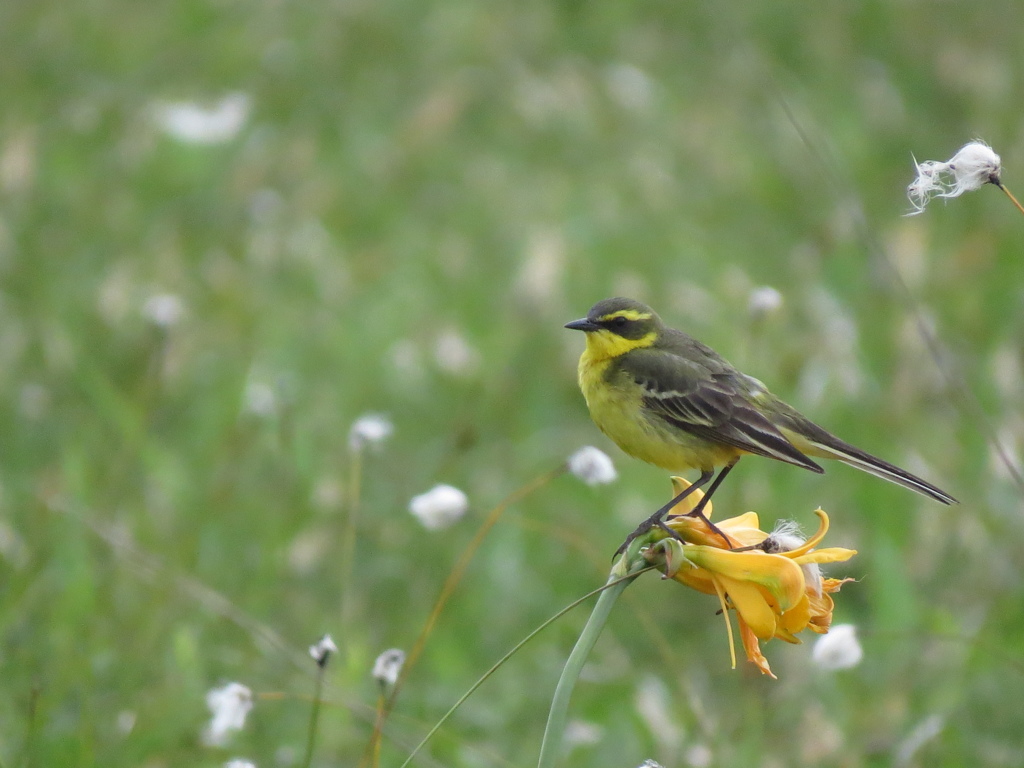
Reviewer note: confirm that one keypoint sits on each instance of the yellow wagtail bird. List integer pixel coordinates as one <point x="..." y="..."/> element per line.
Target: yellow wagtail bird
<point x="671" y="401"/>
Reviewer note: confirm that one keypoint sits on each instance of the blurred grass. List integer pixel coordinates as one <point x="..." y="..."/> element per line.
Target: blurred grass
<point x="414" y="172"/>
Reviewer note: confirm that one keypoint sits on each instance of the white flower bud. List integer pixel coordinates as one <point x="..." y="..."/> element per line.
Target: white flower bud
<point x="592" y="466"/>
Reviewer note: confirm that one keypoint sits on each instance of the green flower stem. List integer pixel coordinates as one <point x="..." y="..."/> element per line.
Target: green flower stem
<point x="314" y="717"/>
<point x="629" y="563"/>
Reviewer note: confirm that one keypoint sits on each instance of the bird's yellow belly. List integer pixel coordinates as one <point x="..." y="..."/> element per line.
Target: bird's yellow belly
<point x="619" y="413"/>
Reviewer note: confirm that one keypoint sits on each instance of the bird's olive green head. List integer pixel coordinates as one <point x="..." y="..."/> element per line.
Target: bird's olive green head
<point x="616" y="326"/>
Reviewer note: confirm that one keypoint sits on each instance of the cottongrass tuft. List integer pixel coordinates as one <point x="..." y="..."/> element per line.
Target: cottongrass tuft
<point x="973" y="166"/>
<point x="763" y="301"/>
<point x="239" y="762"/>
<point x="164" y="310"/>
<point x="388" y="666"/>
<point x="440" y="507"/>
<point x="839" y="649"/>
<point x="592" y="466"/>
<point x="321" y="652"/>
<point x="192" y="123"/>
<point x="369" y="430"/>
<point x="230" y="705"/>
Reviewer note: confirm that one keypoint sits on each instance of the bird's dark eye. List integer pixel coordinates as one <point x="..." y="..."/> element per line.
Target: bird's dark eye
<point x="618" y="322"/>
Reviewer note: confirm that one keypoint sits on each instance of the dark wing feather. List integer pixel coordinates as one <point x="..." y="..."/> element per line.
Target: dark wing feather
<point x="712" y="405"/>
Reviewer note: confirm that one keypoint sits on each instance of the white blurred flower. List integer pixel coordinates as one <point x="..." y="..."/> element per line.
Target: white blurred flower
<point x="260" y="399"/>
<point x="650" y="764"/>
<point x="125" y="721"/>
<point x="580" y="733"/>
<point x="699" y="756"/>
<point x="163" y="310"/>
<point x="629" y="86"/>
<point x="454" y="354"/>
<point x="193" y="123"/>
<point x="763" y="301"/>
<point x="592" y="466"/>
<point x="439" y="507"/>
<point x="322" y="651"/>
<point x="229" y="706"/>
<point x="239" y="762"/>
<point x="972" y="167"/>
<point x="839" y="649"/>
<point x="370" y="429"/>
<point x="388" y="666"/>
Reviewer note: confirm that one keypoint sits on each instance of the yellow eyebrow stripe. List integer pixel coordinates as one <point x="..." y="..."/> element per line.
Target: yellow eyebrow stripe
<point x="629" y="314"/>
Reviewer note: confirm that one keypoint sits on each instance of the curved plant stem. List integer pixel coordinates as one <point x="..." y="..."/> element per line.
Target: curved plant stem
<point x="371" y="755"/>
<point x="611" y="584"/>
<point x="623" y="573"/>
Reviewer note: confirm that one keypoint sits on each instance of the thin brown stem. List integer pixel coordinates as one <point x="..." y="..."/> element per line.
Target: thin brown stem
<point x="1009" y="194"/>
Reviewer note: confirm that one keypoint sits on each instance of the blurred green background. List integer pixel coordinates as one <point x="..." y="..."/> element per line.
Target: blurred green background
<point x="393" y="207"/>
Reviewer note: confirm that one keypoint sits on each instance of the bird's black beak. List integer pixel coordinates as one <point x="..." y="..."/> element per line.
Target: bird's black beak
<point x="582" y="325"/>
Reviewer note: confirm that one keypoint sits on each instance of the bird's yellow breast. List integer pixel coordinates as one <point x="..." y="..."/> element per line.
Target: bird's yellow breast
<point x="616" y="405"/>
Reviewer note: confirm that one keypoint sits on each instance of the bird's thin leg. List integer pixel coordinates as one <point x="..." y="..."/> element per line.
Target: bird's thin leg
<point x="698" y="511"/>
<point x="655" y="519"/>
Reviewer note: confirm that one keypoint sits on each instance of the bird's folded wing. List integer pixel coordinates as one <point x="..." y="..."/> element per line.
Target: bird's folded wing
<point x="712" y="406"/>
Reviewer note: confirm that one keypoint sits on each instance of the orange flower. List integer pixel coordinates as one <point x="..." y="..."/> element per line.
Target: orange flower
<point x="770" y="586"/>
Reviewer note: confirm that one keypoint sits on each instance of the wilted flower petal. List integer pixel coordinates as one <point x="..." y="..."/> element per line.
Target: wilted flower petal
<point x="439" y="507"/>
<point x="592" y="466"/>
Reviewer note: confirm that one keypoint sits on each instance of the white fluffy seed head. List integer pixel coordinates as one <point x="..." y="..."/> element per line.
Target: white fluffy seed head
<point x="323" y="649"/>
<point x="193" y="123"/>
<point x="164" y="310"/>
<point x="439" y="507"/>
<point x="839" y="649"/>
<point x="229" y="705"/>
<point x="388" y="666"/>
<point x="974" y="165"/>
<point x="592" y="466"/>
<point x="369" y="430"/>
<point x="763" y="301"/>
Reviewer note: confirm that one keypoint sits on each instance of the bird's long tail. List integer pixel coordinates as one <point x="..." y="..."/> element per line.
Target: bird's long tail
<point x="829" y="446"/>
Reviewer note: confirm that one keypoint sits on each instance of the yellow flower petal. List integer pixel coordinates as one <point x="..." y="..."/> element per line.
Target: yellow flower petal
<point x="812" y="542"/>
<point x="782" y="577"/>
<point x="827" y="555"/>
<point x="688" y="504"/>
<point x="751" y="605"/>
<point x="753" y="650"/>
